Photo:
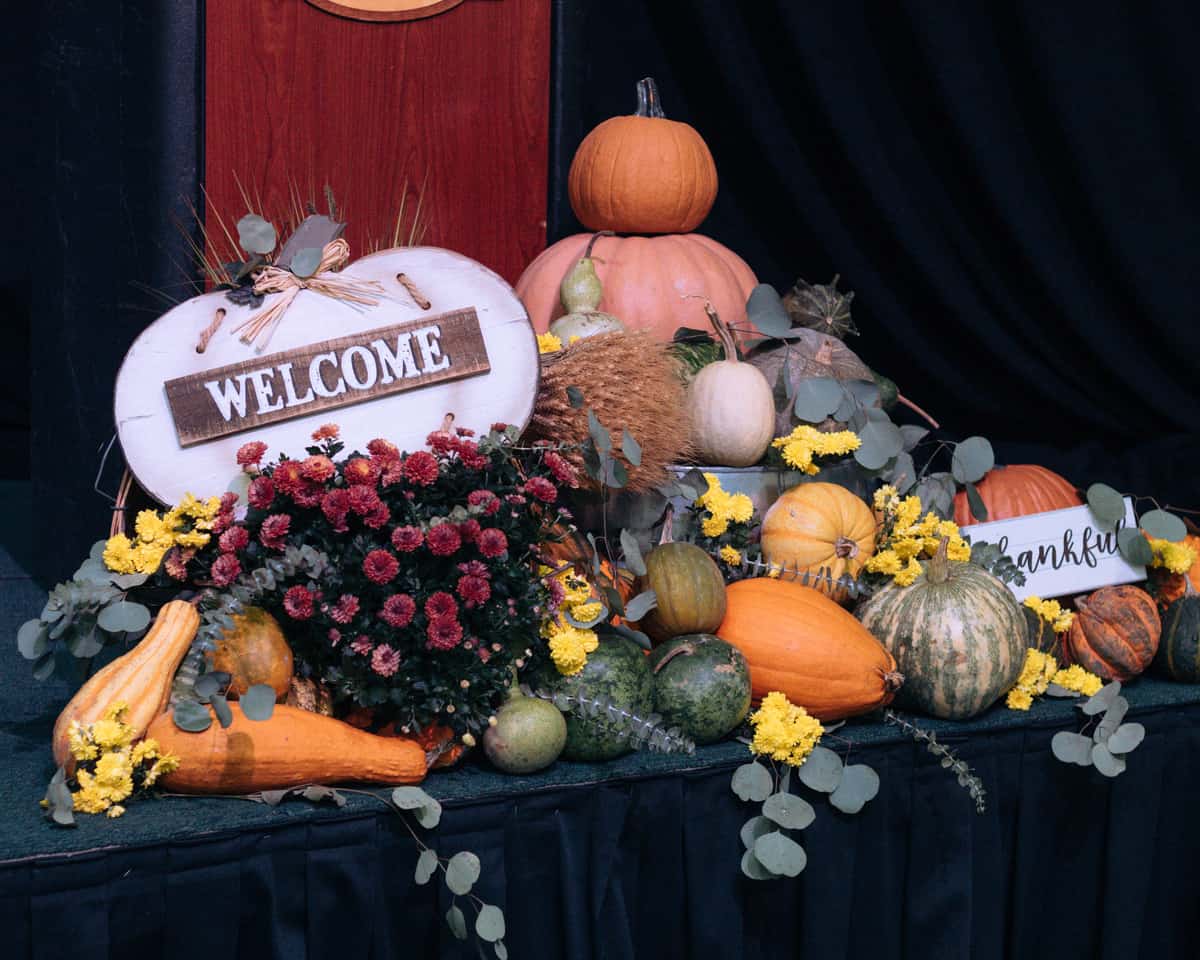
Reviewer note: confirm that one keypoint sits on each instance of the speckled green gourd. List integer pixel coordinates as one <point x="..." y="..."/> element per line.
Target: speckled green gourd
<point x="701" y="686"/>
<point x="529" y="734"/>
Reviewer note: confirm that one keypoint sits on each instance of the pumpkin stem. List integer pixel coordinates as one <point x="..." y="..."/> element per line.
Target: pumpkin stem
<point x="591" y="243"/>
<point x="723" y="332"/>
<point x="648" y="104"/>
<point x="681" y="650"/>
<point x="901" y="398"/>
<point x="668" y="528"/>
<point x="938" y="570"/>
<point x="893" y="680"/>
<point x="844" y="547"/>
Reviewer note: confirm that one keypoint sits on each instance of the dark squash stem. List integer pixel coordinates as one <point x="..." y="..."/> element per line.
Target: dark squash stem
<point x="648" y="104"/>
<point x="591" y="243"/>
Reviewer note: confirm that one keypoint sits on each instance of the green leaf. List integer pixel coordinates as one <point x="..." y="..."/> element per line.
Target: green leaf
<point x="43" y="666"/>
<point x="1102" y="699"/>
<point x="1072" y="748"/>
<point x="972" y="459"/>
<point x="258" y="702"/>
<point x="221" y="709"/>
<point x="754" y="828"/>
<point x="84" y="646"/>
<point x="575" y="398"/>
<point x="780" y="854"/>
<point x="751" y="781"/>
<point x="426" y="866"/>
<point x="1126" y="738"/>
<point x="461" y="872"/>
<point x="206" y="685"/>
<point x="429" y="816"/>
<point x="1162" y="525"/>
<point x="642" y="604"/>
<point x="256" y="235"/>
<point x="1134" y="547"/>
<point x="880" y="442"/>
<point x="411" y="798"/>
<point x="616" y="474"/>
<point x="1107" y="505"/>
<point x="631" y="448"/>
<point x="93" y="571"/>
<point x="598" y="432"/>
<point x="501" y="950"/>
<point x="191" y="716"/>
<point x="822" y="771"/>
<point x="755" y="870"/>
<point x="1105" y="762"/>
<point x="123" y="615"/>
<point x="789" y="810"/>
<point x="633" y="553"/>
<point x="59" y="802"/>
<point x="127" y="581"/>
<point x="912" y="435"/>
<point x="978" y="508"/>
<point x="817" y="398"/>
<point x="456" y="921"/>
<point x="587" y="624"/>
<point x="315" y="793"/>
<point x="765" y="310"/>
<point x="305" y="262"/>
<point x="489" y="923"/>
<point x="902" y="473"/>
<point x="859" y="786"/>
<point x="97" y="551"/>
<point x="31" y="639"/>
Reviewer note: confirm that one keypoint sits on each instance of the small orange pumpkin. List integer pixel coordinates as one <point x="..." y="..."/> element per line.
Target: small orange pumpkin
<point x="642" y="173"/>
<point x="1017" y="491"/>
<point x="1115" y="633"/>
<point x="254" y="651"/>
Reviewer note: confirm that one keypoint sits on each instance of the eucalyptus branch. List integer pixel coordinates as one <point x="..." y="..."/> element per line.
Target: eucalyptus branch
<point x="950" y="761"/>
<point x="642" y="732"/>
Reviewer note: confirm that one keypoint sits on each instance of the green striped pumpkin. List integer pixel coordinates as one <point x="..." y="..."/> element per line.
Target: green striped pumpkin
<point x="1178" y="655"/>
<point x="958" y="636"/>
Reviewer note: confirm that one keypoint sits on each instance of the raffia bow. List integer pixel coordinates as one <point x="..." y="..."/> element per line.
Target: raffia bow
<point x="326" y="280"/>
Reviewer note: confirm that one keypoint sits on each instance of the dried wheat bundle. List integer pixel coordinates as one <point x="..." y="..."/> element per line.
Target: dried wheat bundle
<point x="631" y="381"/>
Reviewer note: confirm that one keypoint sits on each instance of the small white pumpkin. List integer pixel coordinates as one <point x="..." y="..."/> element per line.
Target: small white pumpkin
<point x="732" y="406"/>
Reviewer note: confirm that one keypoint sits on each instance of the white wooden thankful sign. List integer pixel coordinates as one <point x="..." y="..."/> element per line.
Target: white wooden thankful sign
<point x="1061" y="552"/>
<point x="462" y="345"/>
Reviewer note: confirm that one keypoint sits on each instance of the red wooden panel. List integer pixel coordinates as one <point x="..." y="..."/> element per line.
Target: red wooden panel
<point x="298" y="97"/>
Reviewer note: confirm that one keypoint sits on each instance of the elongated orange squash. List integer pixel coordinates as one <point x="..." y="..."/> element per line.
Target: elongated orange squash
<point x="292" y="748"/>
<point x="801" y="643"/>
<point x="142" y="678"/>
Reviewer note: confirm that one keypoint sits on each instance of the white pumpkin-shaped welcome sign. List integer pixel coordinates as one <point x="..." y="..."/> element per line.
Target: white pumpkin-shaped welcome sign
<point x="453" y="338"/>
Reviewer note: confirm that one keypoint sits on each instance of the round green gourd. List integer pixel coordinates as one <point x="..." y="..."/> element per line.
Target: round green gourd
<point x="701" y="686"/>
<point x="1178" y="655"/>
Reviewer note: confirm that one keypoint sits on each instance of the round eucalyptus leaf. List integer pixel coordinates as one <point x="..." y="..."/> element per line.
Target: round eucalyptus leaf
<point x="752" y="782"/>
<point x="258" y="703"/>
<point x="97" y="551"/>
<point x="43" y="666"/>
<point x="780" y="854"/>
<point x="754" y="828"/>
<point x="411" y="798"/>
<point x="1071" y="747"/>
<point x="1105" y="762"/>
<point x="426" y="866"/>
<point x="127" y="581"/>
<point x="789" y="811"/>
<point x="1134" y="547"/>
<point x="912" y="435"/>
<point x="456" y="921"/>
<point x="865" y="392"/>
<point x="972" y="459"/>
<point x="902" y="473"/>
<point x="817" y="398"/>
<point x="755" y="870"/>
<point x="848" y="409"/>
<point x="430" y="815"/>
<point x="822" y="771"/>
<point x="1162" y="525"/>
<point x="191" y="716"/>
<point x="123" y="615"/>
<point x="93" y="571"/>
<point x="859" y="786"/>
<point x="31" y="639"/>
<point x="501" y="950"/>
<point x="221" y="709"/>
<point x="880" y="442"/>
<point x="206" y="685"/>
<point x="305" y="262"/>
<point x="255" y="234"/>
<point x="489" y="923"/>
<point x="1102" y="699"/>
<point x="461" y="872"/>
<point x="1107" y="505"/>
<point x="765" y="310"/>
<point x="84" y="646"/>
<point x="1126" y="738"/>
<point x="979" y="509"/>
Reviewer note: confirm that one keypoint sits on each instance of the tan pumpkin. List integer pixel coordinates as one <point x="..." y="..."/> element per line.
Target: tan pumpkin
<point x="651" y="283"/>
<point x="642" y="173"/>
<point x="1017" y="491"/>
<point x="254" y="651"/>
<point x="731" y="405"/>
<point x="141" y="678"/>
<point x="801" y="643"/>
<point x="1115" y="633"/>
<point x="819" y="527"/>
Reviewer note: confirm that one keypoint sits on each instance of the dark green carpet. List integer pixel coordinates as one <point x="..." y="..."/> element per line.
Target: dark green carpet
<point x="28" y="709"/>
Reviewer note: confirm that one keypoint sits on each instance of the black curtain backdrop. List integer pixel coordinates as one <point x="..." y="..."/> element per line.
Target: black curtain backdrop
<point x="1009" y="188"/>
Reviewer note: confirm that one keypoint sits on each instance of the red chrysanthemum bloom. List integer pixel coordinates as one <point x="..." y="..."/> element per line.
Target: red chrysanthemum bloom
<point x="336" y="505"/>
<point x="363" y="499"/>
<point x="228" y="502"/>
<point x="485" y="499"/>
<point x="378" y="516"/>
<point x="273" y="530"/>
<point x="345" y="609"/>
<point x="385" y="661"/>
<point x="298" y="603"/>
<point x="407" y="539"/>
<point x="397" y="610"/>
<point x="492" y="542"/>
<point x="287" y="476"/>
<point x="359" y="471"/>
<point x="469" y="530"/>
<point x="308" y="493"/>
<point x="379" y="566"/>
<point x="421" y="468"/>
<point x="383" y="451"/>
<point x="176" y="560"/>
<point x="251" y="454"/>
<point x="443" y="539"/>
<point x="319" y="468"/>
<point x="261" y="493"/>
<point x="475" y="568"/>
<point x="472" y="459"/>
<point x="393" y="472"/>
<point x="361" y="644"/>
<point x="335" y="636"/>
<point x="443" y="634"/>
<point x="541" y="488"/>
<point x="442" y="443"/>
<point x="234" y="539"/>
<point x="440" y="604"/>
<point x="474" y="590"/>
<point x="499" y="427"/>
<point x="326" y="431"/>
<point x="516" y="500"/>
<point x="225" y="569"/>
<point x="464" y="431"/>
<point x="563" y="472"/>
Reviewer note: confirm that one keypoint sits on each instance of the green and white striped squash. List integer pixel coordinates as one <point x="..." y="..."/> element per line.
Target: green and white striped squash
<point x="958" y="636"/>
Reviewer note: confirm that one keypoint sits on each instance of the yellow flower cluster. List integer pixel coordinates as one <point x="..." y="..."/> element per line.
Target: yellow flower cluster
<point x="1041" y="670"/>
<point x="106" y="746"/>
<point x="1051" y="611"/>
<point x="784" y="731"/>
<point x="909" y="537"/>
<point x="723" y="508"/>
<point x="569" y="645"/>
<point x="805" y="442"/>
<point x="730" y="555"/>
<point x="1171" y="556"/>
<point x="548" y="343"/>
<point x="186" y="525"/>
